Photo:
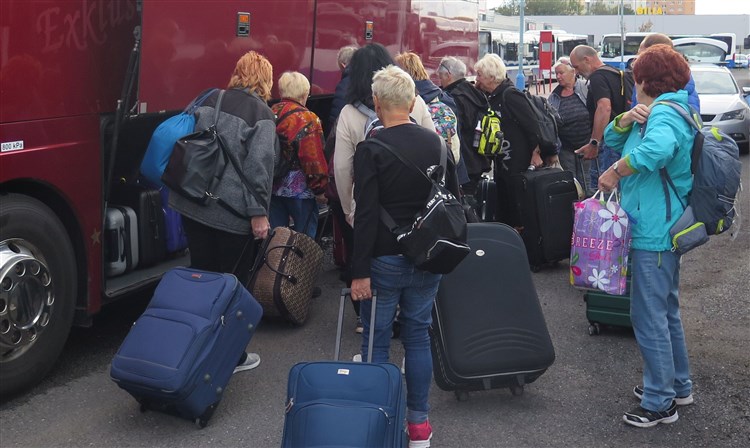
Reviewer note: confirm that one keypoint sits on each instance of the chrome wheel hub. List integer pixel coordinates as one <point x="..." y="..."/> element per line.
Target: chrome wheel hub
<point x="26" y="297"/>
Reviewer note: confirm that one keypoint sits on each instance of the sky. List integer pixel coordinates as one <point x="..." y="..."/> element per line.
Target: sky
<point x="701" y="6"/>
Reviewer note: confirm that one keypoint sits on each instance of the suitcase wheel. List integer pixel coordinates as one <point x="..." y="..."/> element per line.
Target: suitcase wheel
<point x="202" y="421"/>
<point x="516" y="390"/>
<point x="594" y="329"/>
<point x="461" y="395"/>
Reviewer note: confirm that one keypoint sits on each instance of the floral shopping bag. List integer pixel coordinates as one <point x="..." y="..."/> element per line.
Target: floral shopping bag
<point x="600" y="244"/>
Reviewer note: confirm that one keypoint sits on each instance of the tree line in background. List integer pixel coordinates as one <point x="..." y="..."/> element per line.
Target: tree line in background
<point x="562" y="8"/>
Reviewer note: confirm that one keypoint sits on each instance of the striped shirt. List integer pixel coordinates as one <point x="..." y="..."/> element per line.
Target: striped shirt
<point x="575" y="130"/>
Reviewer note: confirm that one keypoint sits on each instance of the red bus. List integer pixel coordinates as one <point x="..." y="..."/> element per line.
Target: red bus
<point x="83" y="85"/>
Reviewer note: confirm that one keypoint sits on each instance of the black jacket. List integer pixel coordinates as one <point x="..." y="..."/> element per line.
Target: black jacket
<point x="470" y="103"/>
<point x="339" y="97"/>
<point x="382" y="179"/>
<point x="519" y="124"/>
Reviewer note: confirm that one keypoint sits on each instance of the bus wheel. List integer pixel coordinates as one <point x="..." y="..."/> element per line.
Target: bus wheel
<point x="37" y="290"/>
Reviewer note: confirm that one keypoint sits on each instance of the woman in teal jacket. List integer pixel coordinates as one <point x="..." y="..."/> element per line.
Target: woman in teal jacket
<point x="651" y="137"/>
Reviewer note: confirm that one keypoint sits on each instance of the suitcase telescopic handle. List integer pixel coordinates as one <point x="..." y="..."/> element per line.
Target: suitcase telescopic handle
<point x="346" y="292"/>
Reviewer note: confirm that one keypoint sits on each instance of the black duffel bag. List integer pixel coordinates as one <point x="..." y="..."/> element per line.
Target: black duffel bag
<point x="436" y="240"/>
<point x="197" y="162"/>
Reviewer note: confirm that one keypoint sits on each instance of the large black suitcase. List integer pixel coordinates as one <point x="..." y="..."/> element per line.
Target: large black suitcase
<point x="545" y="202"/>
<point x="152" y="245"/>
<point x="494" y="335"/>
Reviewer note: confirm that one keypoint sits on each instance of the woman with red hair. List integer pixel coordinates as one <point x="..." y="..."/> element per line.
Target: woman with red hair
<point x="664" y="144"/>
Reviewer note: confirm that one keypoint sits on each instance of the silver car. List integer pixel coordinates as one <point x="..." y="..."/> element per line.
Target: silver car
<point x="722" y="102"/>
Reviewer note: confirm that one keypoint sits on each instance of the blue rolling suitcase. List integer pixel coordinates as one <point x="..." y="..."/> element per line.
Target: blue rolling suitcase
<point x="180" y="354"/>
<point x="345" y="404"/>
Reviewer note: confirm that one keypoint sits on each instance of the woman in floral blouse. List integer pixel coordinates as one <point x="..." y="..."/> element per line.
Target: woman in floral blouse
<point x="300" y="185"/>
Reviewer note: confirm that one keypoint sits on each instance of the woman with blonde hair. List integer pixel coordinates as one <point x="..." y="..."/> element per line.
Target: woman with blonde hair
<point x="297" y="192"/>
<point x="440" y="104"/>
<point x="218" y="231"/>
<point x="574" y="127"/>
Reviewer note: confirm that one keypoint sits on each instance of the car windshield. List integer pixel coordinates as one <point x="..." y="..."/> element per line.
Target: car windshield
<point x="714" y="83"/>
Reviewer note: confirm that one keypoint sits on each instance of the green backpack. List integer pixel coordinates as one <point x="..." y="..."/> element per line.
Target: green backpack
<point x="491" y="136"/>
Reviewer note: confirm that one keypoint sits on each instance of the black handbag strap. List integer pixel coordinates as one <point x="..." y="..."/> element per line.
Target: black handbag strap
<point x="384" y="215"/>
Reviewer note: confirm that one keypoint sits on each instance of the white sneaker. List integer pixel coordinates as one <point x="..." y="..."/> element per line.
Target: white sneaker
<point x="252" y="361"/>
<point x="357" y="357"/>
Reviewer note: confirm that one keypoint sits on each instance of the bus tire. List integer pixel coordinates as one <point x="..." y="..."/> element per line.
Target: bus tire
<point x="38" y="287"/>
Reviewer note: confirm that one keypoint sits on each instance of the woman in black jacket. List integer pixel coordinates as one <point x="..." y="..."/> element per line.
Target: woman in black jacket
<point x="385" y="181"/>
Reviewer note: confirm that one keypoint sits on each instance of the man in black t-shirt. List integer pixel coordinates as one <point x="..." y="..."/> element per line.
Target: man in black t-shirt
<point x="608" y="97"/>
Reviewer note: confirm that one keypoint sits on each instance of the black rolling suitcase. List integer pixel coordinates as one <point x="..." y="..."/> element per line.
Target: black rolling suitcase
<point x="152" y="245"/>
<point x="545" y="201"/>
<point x="495" y="336"/>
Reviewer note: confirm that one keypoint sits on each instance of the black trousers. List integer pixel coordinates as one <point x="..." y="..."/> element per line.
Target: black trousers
<point x="219" y="251"/>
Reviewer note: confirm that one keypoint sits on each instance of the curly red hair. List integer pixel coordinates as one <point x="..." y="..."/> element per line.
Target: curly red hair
<point x="253" y="71"/>
<point x="661" y="69"/>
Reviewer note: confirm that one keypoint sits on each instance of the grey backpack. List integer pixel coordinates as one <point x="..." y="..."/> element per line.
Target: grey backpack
<point x="716" y="168"/>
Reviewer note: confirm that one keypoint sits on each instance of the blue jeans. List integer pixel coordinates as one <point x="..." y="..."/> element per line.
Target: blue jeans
<point x="398" y="282"/>
<point x="655" y="313"/>
<point x="304" y="212"/>
<point x="607" y="156"/>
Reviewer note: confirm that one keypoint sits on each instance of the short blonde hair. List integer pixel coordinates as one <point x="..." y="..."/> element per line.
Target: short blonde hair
<point x="254" y="72"/>
<point x="393" y="87"/>
<point x="294" y="85"/>
<point x="492" y="67"/>
<point x="412" y="64"/>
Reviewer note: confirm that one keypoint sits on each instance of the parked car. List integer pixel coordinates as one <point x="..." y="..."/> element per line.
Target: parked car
<point x="741" y="60"/>
<point x="722" y="102"/>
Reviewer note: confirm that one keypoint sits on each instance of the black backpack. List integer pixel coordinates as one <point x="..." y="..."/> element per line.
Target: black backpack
<point x="436" y="240"/>
<point x="546" y="116"/>
<point x="626" y="87"/>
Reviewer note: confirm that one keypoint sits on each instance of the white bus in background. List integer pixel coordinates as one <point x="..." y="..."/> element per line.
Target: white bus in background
<point x="610" y="49"/>
<point x="696" y="47"/>
<point x="506" y="45"/>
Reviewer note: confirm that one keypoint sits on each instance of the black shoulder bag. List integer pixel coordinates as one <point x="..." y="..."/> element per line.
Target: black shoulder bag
<point x="198" y="162"/>
<point x="436" y="240"/>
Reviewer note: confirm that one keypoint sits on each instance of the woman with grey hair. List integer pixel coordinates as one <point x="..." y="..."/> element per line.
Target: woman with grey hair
<point x="520" y="128"/>
<point x="297" y="192"/>
<point x="382" y="180"/>
<point x="470" y="103"/>
<point x="574" y="127"/>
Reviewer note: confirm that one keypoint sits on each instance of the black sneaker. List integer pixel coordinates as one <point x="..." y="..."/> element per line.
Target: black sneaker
<point x="681" y="401"/>
<point x="643" y="418"/>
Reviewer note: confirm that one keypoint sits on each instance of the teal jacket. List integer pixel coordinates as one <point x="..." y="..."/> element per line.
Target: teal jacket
<point x="667" y="142"/>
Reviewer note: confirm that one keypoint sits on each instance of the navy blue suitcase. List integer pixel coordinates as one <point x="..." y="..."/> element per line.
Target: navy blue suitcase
<point x="180" y="354"/>
<point x="345" y="404"/>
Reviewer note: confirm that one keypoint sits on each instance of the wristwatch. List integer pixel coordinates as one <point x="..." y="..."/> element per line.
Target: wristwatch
<point x="594" y="142"/>
<point x="614" y="168"/>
